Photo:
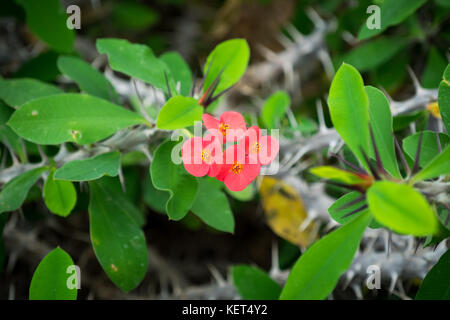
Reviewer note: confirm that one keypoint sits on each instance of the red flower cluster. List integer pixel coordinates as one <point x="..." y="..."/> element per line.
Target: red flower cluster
<point x="239" y="164"/>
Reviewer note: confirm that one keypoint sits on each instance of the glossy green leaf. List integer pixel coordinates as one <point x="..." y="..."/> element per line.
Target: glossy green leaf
<point x="275" y="108"/>
<point x="392" y="12"/>
<point x="90" y="169"/>
<point x="229" y="59"/>
<point x="382" y="126"/>
<point x="429" y="148"/>
<point x="48" y="20"/>
<point x="168" y="176"/>
<point x="154" y="198"/>
<point x="436" y="285"/>
<point x="146" y="66"/>
<point x="349" y="109"/>
<point x="89" y="79"/>
<point x="439" y="165"/>
<point x="51" y="280"/>
<point x="16" y="92"/>
<point x="42" y="67"/>
<point x="444" y="98"/>
<point x="401" y="208"/>
<point x="318" y="270"/>
<point x="254" y="284"/>
<point x="59" y="196"/>
<point x="372" y="54"/>
<point x="211" y="205"/>
<point x="118" y="242"/>
<point x="332" y="173"/>
<point x="71" y="117"/>
<point x="179" y="112"/>
<point x="14" y="193"/>
<point x="180" y="71"/>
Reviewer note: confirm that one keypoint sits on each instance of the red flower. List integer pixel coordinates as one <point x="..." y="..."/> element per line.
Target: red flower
<point x="231" y="125"/>
<point x="202" y="156"/>
<point x="263" y="148"/>
<point x="238" y="170"/>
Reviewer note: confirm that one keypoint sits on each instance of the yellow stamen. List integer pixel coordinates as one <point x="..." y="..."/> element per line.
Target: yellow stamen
<point x="206" y="156"/>
<point x="223" y="128"/>
<point x="236" y="168"/>
<point x="255" y="147"/>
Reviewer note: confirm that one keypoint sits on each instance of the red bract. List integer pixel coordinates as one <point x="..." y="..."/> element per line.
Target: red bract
<point x="231" y="125"/>
<point x="264" y="148"/>
<point x="202" y="156"/>
<point x="238" y="170"/>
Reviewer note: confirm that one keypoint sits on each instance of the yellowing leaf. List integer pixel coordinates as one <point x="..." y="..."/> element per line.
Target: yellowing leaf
<point x="285" y="212"/>
<point x="332" y="173"/>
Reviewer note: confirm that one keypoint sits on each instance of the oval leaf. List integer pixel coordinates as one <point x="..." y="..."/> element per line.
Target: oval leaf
<point x="118" y="242"/>
<point x="429" y="147"/>
<point x="76" y="118"/>
<point x="51" y="279"/>
<point x="90" y="169"/>
<point x="436" y="285"/>
<point x="401" y="208"/>
<point x="349" y="109"/>
<point x="254" y="284"/>
<point x="89" y="79"/>
<point x="318" y="270"/>
<point x="275" y="108"/>
<point x="332" y="173"/>
<point x="168" y="176"/>
<point x="179" y="112"/>
<point x="15" y="191"/>
<point x="439" y="165"/>
<point x="59" y="196"/>
<point x="211" y="205"/>
<point x="16" y="92"/>
<point x="444" y="98"/>
<point x="228" y="61"/>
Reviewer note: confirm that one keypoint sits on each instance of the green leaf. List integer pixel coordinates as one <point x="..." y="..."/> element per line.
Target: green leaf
<point x="134" y="16"/>
<point x="444" y="98"/>
<point x="168" y="176"/>
<point x="179" y="112"/>
<point x="349" y="109"/>
<point x="70" y="117"/>
<point x="254" y="284"/>
<point x="15" y="191"/>
<point x="42" y="67"/>
<point x="401" y="208"/>
<point x="90" y="169"/>
<point x="89" y="79"/>
<point x="179" y="70"/>
<point x="7" y="136"/>
<point x="146" y="66"/>
<point x="436" y="285"/>
<point x="16" y="92"/>
<point x="211" y="205"/>
<point x="318" y="270"/>
<point x="392" y="12"/>
<point x="59" y="196"/>
<point x="47" y="19"/>
<point x="370" y="55"/>
<point x="275" y="108"/>
<point x="51" y="278"/>
<point x="431" y="75"/>
<point x="154" y="198"/>
<point x="429" y="148"/>
<point x="436" y="167"/>
<point x="382" y="126"/>
<point x="229" y="59"/>
<point x="118" y="241"/>
<point x="245" y="195"/>
<point x="332" y="173"/>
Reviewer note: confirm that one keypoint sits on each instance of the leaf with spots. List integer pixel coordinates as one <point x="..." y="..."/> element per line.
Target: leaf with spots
<point x="70" y="117"/>
<point x="117" y="239"/>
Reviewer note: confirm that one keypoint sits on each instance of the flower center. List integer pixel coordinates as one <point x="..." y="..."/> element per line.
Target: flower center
<point x="206" y="156"/>
<point x="223" y="128"/>
<point x="236" y="168"/>
<point x="255" y="147"/>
